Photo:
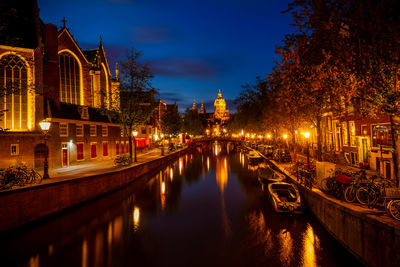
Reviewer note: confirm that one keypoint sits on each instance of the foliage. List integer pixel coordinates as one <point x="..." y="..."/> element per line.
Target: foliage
<point x="171" y="121"/>
<point x="192" y="123"/>
<point x="136" y="95"/>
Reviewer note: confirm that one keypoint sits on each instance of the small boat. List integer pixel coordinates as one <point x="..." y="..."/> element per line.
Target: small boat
<point x="285" y="197"/>
<point x="268" y="175"/>
<point x="254" y="157"/>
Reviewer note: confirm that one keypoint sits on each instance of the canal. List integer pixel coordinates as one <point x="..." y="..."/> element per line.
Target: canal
<point x="204" y="209"/>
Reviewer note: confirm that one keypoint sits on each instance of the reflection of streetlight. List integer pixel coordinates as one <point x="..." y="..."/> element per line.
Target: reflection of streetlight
<point x="307" y="135"/>
<point x="45" y="126"/>
<point x="134" y="133"/>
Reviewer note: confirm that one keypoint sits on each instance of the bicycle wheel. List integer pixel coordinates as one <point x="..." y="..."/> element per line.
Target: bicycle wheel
<point x="362" y="195"/>
<point x="372" y="198"/>
<point x="394" y="209"/>
<point x="350" y="194"/>
<point x="36" y="177"/>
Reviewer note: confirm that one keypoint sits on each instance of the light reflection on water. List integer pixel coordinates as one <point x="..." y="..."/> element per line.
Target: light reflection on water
<point x="215" y="212"/>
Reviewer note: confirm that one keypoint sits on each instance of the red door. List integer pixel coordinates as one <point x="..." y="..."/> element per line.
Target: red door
<point x="93" y="153"/>
<point x="105" y="149"/>
<point x="65" y="157"/>
<point x="79" y="148"/>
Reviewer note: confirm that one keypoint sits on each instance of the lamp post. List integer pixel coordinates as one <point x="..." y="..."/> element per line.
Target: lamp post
<point x="307" y="135"/>
<point x="45" y="126"/>
<point x="285" y="138"/>
<point x="134" y="133"/>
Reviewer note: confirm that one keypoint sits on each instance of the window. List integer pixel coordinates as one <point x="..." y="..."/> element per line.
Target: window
<point x="79" y="130"/>
<point x="143" y="129"/>
<point x="117" y="148"/>
<point x="14" y="149"/>
<point x="63" y="129"/>
<point x="381" y="135"/>
<point x="105" y="149"/>
<point x="122" y="133"/>
<point x="14" y="102"/>
<point x="364" y="130"/>
<point x="104" y="130"/>
<point x="352" y="128"/>
<point x="93" y="150"/>
<point x="84" y="113"/>
<point x="70" y="83"/>
<point x="93" y="130"/>
<point x="345" y="136"/>
<point x="104" y="87"/>
<point x="79" y="149"/>
<point x="122" y="147"/>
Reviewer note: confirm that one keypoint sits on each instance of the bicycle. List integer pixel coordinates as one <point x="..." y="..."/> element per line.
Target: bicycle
<point x="122" y="161"/>
<point x="358" y="180"/>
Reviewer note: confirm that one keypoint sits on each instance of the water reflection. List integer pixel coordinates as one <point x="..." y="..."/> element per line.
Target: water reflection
<point x="223" y="219"/>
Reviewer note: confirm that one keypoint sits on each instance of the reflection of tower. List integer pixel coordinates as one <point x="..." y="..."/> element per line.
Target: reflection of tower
<point x="221" y="173"/>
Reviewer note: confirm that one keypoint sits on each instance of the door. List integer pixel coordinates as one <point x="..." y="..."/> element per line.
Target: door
<point x="388" y="171"/>
<point x="93" y="152"/>
<point x="364" y="147"/>
<point x="64" y="155"/>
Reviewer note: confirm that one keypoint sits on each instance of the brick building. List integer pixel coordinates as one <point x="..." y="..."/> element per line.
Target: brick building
<point x="45" y="75"/>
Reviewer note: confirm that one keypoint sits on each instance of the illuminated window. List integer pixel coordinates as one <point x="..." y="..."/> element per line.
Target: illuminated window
<point x="352" y="131"/>
<point x="69" y="79"/>
<point x="381" y="135"/>
<point x="93" y="130"/>
<point x="104" y="87"/>
<point x="345" y="134"/>
<point x="63" y="129"/>
<point x="79" y="130"/>
<point x="14" y="84"/>
<point x="14" y="149"/>
<point x="104" y="131"/>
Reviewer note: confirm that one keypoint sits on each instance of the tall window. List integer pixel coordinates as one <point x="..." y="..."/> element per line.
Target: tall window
<point x="69" y="79"/>
<point x="381" y="135"/>
<point x="104" y="87"/>
<point x="14" y="99"/>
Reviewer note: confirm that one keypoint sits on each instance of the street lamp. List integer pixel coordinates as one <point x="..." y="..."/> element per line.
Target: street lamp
<point x="45" y="126"/>
<point x="285" y="137"/>
<point x="134" y="133"/>
<point x="307" y="135"/>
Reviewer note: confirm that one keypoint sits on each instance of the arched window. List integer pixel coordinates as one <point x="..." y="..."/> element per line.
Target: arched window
<point x="69" y="79"/>
<point x="104" y="87"/>
<point x="14" y="93"/>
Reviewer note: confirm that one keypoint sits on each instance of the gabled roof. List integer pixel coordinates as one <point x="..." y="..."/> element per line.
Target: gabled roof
<point x="91" y="55"/>
<point x="65" y="30"/>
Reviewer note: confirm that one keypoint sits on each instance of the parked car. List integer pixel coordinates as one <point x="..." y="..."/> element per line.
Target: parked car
<point x="282" y="155"/>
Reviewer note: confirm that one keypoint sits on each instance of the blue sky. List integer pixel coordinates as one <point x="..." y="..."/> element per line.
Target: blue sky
<point x="194" y="47"/>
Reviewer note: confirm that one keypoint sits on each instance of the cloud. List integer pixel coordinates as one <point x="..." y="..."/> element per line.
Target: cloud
<point x="170" y="97"/>
<point x="153" y="35"/>
<point x="192" y="68"/>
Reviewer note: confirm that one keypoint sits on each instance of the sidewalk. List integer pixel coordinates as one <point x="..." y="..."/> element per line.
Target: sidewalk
<point x="96" y="167"/>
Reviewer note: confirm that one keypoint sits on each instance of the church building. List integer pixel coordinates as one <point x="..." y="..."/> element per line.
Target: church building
<point x="45" y="75"/>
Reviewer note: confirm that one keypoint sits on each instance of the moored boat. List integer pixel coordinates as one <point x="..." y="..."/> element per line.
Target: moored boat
<point x="268" y="175"/>
<point x="254" y="157"/>
<point x="285" y="197"/>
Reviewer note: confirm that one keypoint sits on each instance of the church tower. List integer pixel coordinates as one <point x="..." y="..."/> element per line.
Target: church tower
<point x="194" y="107"/>
<point x="202" y="109"/>
<point x="219" y="107"/>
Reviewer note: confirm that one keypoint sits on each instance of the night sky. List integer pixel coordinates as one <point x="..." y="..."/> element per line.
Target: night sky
<point x="195" y="47"/>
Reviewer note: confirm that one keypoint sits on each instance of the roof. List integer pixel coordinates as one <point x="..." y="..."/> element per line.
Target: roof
<point x="91" y="55"/>
<point x="72" y="112"/>
<point x="19" y="23"/>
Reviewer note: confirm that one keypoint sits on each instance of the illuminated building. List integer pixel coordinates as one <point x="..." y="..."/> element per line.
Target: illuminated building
<point x="58" y="81"/>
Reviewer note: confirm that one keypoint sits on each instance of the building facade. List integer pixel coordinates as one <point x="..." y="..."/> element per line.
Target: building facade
<point x="45" y="75"/>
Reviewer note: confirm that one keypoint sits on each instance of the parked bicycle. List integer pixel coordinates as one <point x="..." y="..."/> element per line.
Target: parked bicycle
<point x="122" y="160"/>
<point x="19" y="175"/>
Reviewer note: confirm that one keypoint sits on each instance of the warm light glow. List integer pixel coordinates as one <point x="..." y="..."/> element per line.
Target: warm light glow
<point x="269" y="136"/>
<point x="306" y="134"/>
<point x="156" y="137"/>
<point x="247" y="135"/>
<point x="284" y="136"/>
<point x="208" y="163"/>
<point x="310" y="243"/>
<point x="136" y="216"/>
<point x="171" y="173"/>
<point x="162" y="135"/>
<point x="180" y="166"/>
<point x="134" y="133"/>
<point x="163" y="188"/>
<point x="221" y="174"/>
<point x="242" y="132"/>
<point x="224" y="130"/>
<point x="45" y="125"/>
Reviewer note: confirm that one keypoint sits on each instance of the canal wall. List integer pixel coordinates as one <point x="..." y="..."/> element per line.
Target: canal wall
<point x="372" y="237"/>
<point x="24" y="205"/>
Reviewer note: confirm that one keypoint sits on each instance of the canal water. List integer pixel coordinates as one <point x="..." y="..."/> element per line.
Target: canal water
<point x="204" y="209"/>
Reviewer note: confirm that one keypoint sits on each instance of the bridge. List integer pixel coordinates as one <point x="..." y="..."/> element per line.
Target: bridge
<point x="226" y="142"/>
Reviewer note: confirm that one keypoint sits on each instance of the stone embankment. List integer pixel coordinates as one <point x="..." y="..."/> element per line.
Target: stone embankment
<point x="370" y="235"/>
<point x="27" y="204"/>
